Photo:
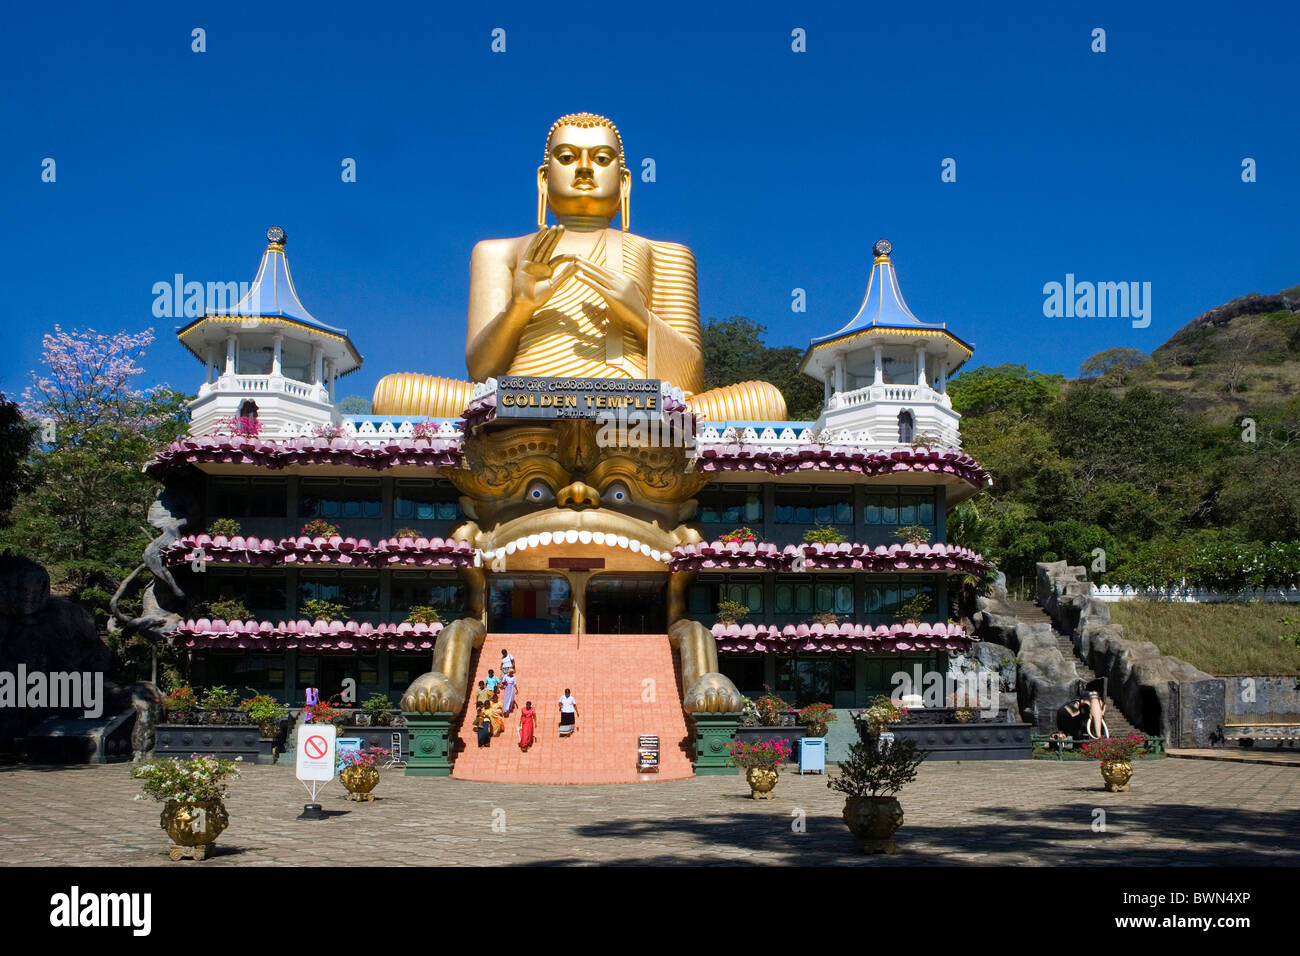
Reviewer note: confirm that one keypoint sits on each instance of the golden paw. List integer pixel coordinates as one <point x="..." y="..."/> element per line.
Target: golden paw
<point x="713" y="694"/>
<point x="433" y="693"/>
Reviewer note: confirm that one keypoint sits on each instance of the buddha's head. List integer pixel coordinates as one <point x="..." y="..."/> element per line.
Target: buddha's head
<point x="583" y="178"/>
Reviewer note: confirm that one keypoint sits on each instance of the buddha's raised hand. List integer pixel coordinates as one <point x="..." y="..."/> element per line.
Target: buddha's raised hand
<point x="538" y="275"/>
<point x="621" y="294"/>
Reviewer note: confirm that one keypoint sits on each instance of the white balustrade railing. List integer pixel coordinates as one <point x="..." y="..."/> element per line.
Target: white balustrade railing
<point x="1113" y="592"/>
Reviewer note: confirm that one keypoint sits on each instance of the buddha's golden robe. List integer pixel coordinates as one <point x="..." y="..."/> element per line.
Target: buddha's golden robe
<point x="576" y="335"/>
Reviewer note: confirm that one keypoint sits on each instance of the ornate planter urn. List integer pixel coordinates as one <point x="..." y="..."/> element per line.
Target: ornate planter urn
<point x="193" y="827"/>
<point x="360" y="781"/>
<point x="873" y="820"/>
<point x="761" y="780"/>
<point x="962" y="715"/>
<point x="1116" y="773"/>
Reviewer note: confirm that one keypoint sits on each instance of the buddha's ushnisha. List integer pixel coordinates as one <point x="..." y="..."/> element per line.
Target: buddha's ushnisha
<point x="579" y="298"/>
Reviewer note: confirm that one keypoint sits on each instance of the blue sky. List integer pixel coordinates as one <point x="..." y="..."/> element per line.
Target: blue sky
<point x="779" y="169"/>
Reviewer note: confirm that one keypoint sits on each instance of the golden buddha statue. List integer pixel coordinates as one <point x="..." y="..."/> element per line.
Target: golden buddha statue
<point x="581" y="299"/>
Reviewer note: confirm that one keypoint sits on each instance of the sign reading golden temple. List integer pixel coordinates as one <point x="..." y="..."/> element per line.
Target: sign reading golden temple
<point x="538" y="397"/>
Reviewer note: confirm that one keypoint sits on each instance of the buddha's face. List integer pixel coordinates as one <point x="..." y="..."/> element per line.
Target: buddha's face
<point x="584" y="176"/>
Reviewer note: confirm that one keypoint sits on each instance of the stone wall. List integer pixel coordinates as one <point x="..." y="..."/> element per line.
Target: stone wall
<point x="1157" y="693"/>
<point x="1045" y="678"/>
<point x="1262" y="700"/>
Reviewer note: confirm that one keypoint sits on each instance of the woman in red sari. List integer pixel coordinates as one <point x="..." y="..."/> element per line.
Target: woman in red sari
<point x="527" y="718"/>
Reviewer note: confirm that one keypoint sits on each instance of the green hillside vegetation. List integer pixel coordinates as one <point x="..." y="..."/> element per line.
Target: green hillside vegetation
<point x="1150" y="458"/>
<point x="1253" y="639"/>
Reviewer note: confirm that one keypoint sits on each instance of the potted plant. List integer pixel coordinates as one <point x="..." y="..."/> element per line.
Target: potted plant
<point x="823" y="534"/>
<point x="411" y="533"/>
<point x="729" y="612"/>
<point x="1116" y="756"/>
<point x="914" y="534"/>
<point x="826" y="617"/>
<point x="358" y="773"/>
<point x="217" y="704"/>
<point x="914" y="608"/>
<point x="318" y="609"/>
<point x="192" y="793"/>
<point x="815" y="717"/>
<point x="227" y="527"/>
<point x="377" y="709"/>
<point x="770" y="707"/>
<point x="426" y="430"/>
<point x="869" y="778"/>
<point x="239" y="426"/>
<point x="760" y="760"/>
<point x="325" y="713"/>
<point x="881" y="714"/>
<point x="180" y="705"/>
<point x="319" y="528"/>
<point x="738" y="536"/>
<point x="228" y="609"/>
<point x="423" y="614"/>
<point x="265" y="711"/>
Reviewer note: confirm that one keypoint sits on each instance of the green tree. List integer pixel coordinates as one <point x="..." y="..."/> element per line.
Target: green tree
<point x="84" y="511"/>
<point x="734" y="352"/>
<point x="354" y="405"/>
<point x="1113" y="366"/>
<point x="15" y="442"/>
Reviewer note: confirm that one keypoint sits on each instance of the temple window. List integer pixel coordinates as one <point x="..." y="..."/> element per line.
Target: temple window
<point x="906" y="427"/>
<point x="332" y="498"/>
<point x="358" y="591"/>
<point x="809" y="506"/>
<point x="731" y="505"/>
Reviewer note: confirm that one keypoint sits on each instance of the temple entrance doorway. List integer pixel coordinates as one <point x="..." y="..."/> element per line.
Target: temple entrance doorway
<point x="627" y="604"/>
<point x="529" y="604"/>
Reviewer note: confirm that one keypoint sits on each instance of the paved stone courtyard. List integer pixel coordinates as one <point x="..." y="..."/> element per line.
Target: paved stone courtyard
<point x="1179" y="812"/>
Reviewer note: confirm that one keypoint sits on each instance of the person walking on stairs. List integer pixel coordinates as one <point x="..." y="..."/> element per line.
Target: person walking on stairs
<point x="508" y="695"/>
<point x="568" y="714"/>
<point x="527" y="718"/>
<point x="507" y="663"/>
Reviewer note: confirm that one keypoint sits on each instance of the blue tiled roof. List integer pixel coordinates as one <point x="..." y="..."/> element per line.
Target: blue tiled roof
<point x="272" y="294"/>
<point x="883" y="305"/>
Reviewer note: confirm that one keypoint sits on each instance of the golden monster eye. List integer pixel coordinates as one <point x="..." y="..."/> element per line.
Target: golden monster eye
<point x="616" y="494"/>
<point x="538" y="492"/>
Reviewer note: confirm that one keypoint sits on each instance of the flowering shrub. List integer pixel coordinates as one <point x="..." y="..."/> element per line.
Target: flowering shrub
<point x="883" y="711"/>
<point x="180" y="702"/>
<point x="425" y="430"/>
<point x="360" y="758"/>
<point x="815" y="717"/>
<point x="1114" y="748"/>
<point x="322" y="713"/>
<point x="1218" y="566"/>
<point x="187" y="781"/>
<point x="329" y="432"/>
<point x="729" y="612"/>
<point x="423" y="614"/>
<point x="739" y="536"/>
<point x="319" y="528"/>
<point x="770" y="708"/>
<point x="241" y="426"/>
<point x="765" y="754"/>
<point x="263" y="707"/>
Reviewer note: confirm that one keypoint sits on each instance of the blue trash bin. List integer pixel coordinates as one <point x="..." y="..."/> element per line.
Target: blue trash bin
<point x="812" y="755"/>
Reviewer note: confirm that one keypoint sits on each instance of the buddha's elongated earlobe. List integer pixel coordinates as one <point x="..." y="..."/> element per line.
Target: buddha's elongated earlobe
<point x="625" y="200"/>
<point x="541" y="197"/>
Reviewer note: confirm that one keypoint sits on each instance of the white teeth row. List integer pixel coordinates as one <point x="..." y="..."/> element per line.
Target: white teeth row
<point x="577" y="537"/>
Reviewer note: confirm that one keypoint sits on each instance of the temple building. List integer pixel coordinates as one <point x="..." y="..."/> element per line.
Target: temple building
<point x="726" y="549"/>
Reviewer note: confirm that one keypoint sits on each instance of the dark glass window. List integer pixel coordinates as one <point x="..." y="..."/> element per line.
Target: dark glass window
<point x="415" y="500"/>
<point x="248" y="498"/>
<point x="331" y="499"/>
<point x="731" y="505"/>
<point x="262" y="591"/>
<point x="803" y="505"/>
<point x="427" y="589"/>
<point x="356" y="591"/>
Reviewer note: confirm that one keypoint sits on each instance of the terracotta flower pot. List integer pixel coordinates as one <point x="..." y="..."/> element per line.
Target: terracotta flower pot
<point x="761" y="780"/>
<point x="872" y="821"/>
<point x="193" y="827"/>
<point x="1116" y="773"/>
<point x="359" y="780"/>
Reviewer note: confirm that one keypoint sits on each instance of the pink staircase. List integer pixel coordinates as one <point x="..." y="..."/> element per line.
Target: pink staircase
<point x="625" y="686"/>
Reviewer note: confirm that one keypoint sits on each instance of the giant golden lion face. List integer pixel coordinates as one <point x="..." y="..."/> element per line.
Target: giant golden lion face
<point x="552" y="491"/>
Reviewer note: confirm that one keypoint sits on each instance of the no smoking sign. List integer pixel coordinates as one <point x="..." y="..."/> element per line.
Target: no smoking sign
<point x="316" y="751"/>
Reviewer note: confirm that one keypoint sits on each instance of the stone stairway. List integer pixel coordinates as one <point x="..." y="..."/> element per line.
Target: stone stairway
<point x="625" y="686"/>
<point x="1031" y="613"/>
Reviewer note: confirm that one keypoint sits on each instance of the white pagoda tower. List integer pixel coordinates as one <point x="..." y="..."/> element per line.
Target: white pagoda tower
<point x="268" y="357"/>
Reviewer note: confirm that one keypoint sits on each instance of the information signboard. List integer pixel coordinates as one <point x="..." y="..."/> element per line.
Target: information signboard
<point x="521" y="396"/>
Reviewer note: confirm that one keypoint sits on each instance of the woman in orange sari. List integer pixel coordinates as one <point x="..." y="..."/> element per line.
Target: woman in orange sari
<point x="497" y="717"/>
<point x="527" y="718"/>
